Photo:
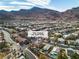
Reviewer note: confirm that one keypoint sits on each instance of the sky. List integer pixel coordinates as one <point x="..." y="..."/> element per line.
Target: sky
<point x="59" y="5"/>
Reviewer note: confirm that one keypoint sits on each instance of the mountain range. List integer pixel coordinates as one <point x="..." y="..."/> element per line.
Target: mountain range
<point x="40" y="14"/>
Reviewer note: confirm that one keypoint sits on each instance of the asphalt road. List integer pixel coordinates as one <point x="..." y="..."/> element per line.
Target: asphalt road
<point x="8" y="39"/>
<point x="30" y="55"/>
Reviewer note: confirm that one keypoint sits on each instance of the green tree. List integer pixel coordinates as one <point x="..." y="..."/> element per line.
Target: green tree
<point x="56" y="36"/>
<point x="75" y="56"/>
<point x="62" y="54"/>
<point x="69" y="38"/>
<point x="3" y="45"/>
<point x="42" y="56"/>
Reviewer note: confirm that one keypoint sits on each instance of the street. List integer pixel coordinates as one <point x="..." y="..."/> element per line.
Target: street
<point x="8" y="39"/>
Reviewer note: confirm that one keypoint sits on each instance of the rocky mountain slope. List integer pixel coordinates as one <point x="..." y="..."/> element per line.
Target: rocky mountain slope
<point x="40" y="14"/>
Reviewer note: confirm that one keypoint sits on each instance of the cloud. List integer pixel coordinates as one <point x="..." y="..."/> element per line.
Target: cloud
<point x="22" y="3"/>
<point x="28" y="4"/>
<point x="8" y="8"/>
<point x="25" y="7"/>
<point x="40" y="2"/>
<point x="33" y="3"/>
<point x="25" y="4"/>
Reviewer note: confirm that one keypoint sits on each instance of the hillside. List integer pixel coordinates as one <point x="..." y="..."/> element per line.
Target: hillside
<point x="40" y="14"/>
